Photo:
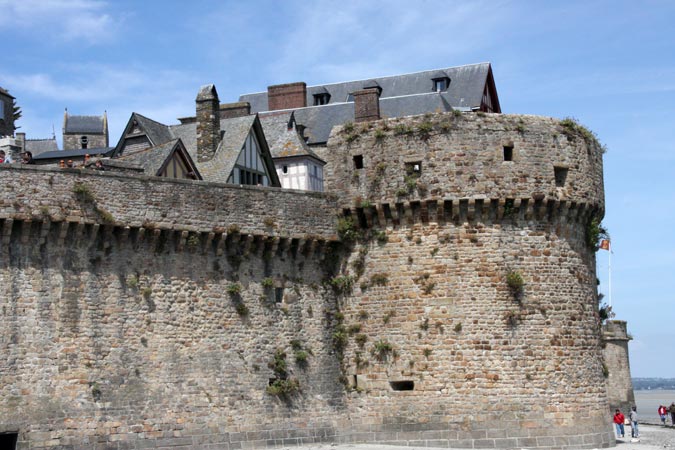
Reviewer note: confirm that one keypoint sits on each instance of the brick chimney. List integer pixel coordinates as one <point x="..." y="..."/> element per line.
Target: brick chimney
<point x="231" y="110"/>
<point x="287" y="96"/>
<point x="208" y="122"/>
<point x="366" y="104"/>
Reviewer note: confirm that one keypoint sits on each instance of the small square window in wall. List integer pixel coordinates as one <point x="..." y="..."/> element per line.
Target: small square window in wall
<point x="413" y="168"/>
<point x="560" y="174"/>
<point x="358" y="161"/>
<point x="508" y="153"/>
<point x="278" y="294"/>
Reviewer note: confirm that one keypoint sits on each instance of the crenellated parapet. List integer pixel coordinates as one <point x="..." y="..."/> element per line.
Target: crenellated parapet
<point x="144" y="208"/>
<point x="478" y="159"/>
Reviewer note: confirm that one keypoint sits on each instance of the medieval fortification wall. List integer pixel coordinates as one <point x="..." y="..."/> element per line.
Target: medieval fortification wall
<point x="146" y="314"/>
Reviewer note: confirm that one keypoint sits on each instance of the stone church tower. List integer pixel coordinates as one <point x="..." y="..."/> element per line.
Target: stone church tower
<point x="85" y="132"/>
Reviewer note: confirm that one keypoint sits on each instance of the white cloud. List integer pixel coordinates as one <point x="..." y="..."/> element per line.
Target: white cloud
<point x="162" y="95"/>
<point x="330" y="41"/>
<point x="66" y="20"/>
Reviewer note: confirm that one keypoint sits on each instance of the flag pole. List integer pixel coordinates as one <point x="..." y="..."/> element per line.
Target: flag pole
<point x="609" y="278"/>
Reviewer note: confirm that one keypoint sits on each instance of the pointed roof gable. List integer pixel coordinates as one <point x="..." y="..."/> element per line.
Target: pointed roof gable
<point x="235" y="131"/>
<point x="283" y="137"/>
<point x="154" y="159"/>
<point x="156" y="132"/>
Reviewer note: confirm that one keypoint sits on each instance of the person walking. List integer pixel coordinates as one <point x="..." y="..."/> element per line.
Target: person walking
<point x="618" y="422"/>
<point x="634" y="423"/>
<point x="671" y="410"/>
<point x="662" y="414"/>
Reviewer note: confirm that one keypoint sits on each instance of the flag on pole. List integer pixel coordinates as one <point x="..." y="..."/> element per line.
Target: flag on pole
<point x="604" y="244"/>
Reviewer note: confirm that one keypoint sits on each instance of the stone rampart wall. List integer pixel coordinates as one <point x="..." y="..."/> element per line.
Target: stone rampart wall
<point x="617" y="365"/>
<point x="85" y="196"/>
<point x="146" y="315"/>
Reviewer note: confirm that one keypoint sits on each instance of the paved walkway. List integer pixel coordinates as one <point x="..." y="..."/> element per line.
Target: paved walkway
<point x="652" y="437"/>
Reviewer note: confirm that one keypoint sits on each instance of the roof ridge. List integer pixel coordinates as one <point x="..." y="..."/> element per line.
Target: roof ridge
<point x="376" y="78"/>
<point x="151" y="120"/>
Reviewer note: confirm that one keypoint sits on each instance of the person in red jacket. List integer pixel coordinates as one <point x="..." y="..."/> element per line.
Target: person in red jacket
<point x="618" y="421"/>
<point x="662" y="414"/>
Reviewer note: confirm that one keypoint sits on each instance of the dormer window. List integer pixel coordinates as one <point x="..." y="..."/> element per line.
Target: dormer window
<point x="84" y="141"/>
<point x="441" y="84"/>
<point x="321" y="99"/>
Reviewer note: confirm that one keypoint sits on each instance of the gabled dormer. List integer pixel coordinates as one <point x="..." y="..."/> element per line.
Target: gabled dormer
<point x="141" y="133"/>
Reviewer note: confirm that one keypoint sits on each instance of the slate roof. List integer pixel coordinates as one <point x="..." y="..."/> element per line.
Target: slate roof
<point x="158" y="133"/>
<point x="85" y="124"/>
<point x="402" y="95"/>
<point x="320" y="120"/>
<point x="151" y="160"/>
<point x="284" y="143"/>
<point x="465" y="90"/>
<point x="79" y="153"/>
<point x="40" y="146"/>
<point x="236" y="131"/>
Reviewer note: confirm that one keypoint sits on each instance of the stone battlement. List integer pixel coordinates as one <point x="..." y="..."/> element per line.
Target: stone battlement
<point x="147" y="313"/>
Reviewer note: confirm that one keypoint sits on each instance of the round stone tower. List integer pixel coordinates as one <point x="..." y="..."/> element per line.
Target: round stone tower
<point x="474" y="308"/>
<point x="619" y="383"/>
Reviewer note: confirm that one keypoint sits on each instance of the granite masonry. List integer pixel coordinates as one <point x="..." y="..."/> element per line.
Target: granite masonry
<point x="441" y="293"/>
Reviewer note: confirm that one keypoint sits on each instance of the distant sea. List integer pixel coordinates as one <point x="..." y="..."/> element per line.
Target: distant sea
<point x="648" y="402"/>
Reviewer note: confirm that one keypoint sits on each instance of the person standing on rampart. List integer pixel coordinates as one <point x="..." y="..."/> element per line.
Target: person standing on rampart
<point x="618" y="422"/>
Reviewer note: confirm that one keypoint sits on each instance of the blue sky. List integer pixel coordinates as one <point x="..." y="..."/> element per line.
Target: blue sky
<point x="610" y="64"/>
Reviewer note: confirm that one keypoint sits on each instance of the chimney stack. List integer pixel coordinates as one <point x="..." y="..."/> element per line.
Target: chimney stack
<point x="231" y="110"/>
<point x="208" y="122"/>
<point x="287" y="96"/>
<point x="367" y="105"/>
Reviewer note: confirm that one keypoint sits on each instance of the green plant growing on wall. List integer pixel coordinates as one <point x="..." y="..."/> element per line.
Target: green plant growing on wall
<point x="361" y="340"/>
<point x="348" y="127"/>
<point x="340" y="338"/>
<point x="146" y="292"/>
<point x="382" y="349"/>
<point x="83" y="192"/>
<point x="427" y="352"/>
<point x="354" y="328"/>
<point x="346" y="229"/>
<point x="515" y="282"/>
<point x="269" y="222"/>
<point x="595" y="233"/>
<point x="233" y="229"/>
<point x="379" y="279"/>
<point x="342" y="284"/>
<point x="104" y="214"/>
<point x="193" y="241"/>
<point x="96" y="391"/>
<point x="424" y="326"/>
<point x="241" y="309"/>
<point x="234" y="289"/>
<point x="282" y="385"/>
<point x="424" y="130"/>
<point x="379" y="134"/>
<point x="605" y="370"/>
<point x="388" y="315"/>
<point x="458" y="327"/>
<point x="402" y="129"/>
<point x="363" y="315"/>
<point x="572" y="128"/>
<point x="132" y="281"/>
<point x="267" y="283"/>
<point x="456" y="113"/>
<point x="381" y="237"/>
<point x="301" y="358"/>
